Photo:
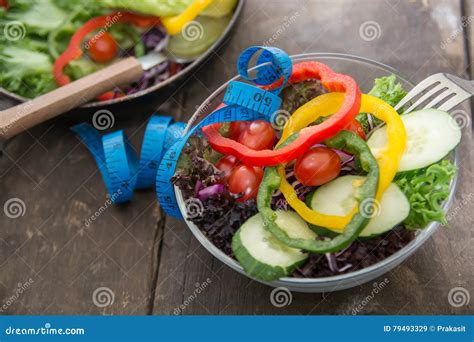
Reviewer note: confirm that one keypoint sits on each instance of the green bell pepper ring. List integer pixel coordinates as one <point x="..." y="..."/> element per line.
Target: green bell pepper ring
<point x="365" y="193"/>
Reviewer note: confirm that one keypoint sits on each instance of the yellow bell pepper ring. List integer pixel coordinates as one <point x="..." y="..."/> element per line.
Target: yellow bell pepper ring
<point x="387" y="157"/>
<point x="174" y="25"/>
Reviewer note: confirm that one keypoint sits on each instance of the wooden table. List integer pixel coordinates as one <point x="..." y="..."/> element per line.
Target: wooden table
<point x="151" y="263"/>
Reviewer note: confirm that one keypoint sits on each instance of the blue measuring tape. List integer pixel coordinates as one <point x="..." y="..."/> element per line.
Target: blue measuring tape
<point x="164" y="140"/>
<point x="115" y="157"/>
<point x="244" y="102"/>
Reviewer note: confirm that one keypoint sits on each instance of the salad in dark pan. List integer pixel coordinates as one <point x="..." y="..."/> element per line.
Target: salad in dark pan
<point x="283" y="205"/>
<point x="50" y="43"/>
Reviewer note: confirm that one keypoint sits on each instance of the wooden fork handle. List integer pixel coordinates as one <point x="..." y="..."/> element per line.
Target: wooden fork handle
<point x="26" y="115"/>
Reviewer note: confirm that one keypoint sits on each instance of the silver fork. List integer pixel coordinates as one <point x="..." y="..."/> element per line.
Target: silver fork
<point x="449" y="90"/>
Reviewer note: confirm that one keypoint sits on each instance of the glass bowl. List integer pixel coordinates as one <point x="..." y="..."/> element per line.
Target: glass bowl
<point x="364" y="71"/>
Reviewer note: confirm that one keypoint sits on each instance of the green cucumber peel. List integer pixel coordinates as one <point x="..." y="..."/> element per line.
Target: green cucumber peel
<point x="258" y="269"/>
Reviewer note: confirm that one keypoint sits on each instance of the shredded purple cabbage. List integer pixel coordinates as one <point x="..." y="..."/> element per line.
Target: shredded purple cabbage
<point x="154" y="39"/>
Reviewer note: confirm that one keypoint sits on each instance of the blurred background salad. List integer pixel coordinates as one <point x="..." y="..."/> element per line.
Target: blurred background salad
<point x="37" y="32"/>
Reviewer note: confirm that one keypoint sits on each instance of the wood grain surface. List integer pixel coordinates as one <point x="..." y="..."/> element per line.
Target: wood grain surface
<point x="152" y="264"/>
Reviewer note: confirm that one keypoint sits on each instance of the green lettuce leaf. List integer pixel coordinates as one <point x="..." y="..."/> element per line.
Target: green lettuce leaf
<point x="426" y="190"/>
<point x="36" y="17"/>
<point x="388" y="89"/>
<point x="25" y="70"/>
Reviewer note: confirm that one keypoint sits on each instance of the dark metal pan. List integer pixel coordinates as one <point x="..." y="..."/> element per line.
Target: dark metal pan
<point x="157" y="88"/>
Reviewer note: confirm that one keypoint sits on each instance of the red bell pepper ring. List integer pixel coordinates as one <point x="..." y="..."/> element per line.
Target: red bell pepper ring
<point x="308" y="136"/>
<point x="74" y="49"/>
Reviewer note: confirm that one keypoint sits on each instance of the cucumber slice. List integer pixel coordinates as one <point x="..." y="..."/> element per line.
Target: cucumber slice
<point x="431" y="133"/>
<point x="262" y="255"/>
<point x="219" y="8"/>
<point x="196" y="38"/>
<point x="337" y="198"/>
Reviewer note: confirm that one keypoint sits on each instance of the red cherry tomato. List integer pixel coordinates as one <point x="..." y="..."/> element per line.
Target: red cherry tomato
<point x="317" y="166"/>
<point x="258" y="135"/>
<point x="103" y="48"/>
<point x="245" y="180"/>
<point x="236" y="127"/>
<point x="4" y="3"/>
<point x="226" y="164"/>
<point x="356" y="127"/>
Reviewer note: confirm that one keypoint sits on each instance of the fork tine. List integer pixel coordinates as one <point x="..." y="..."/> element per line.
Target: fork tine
<point x="426" y="83"/>
<point x="453" y="102"/>
<point x="439" y="98"/>
<point x="425" y="97"/>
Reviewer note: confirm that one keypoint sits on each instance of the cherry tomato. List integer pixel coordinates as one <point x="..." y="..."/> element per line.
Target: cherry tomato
<point x="236" y="127"/>
<point x="356" y="127"/>
<point x="317" y="166"/>
<point x="103" y="49"/>
<point x="226" y="164"/>
<point x="245" y="180"/>
<point x="258" y="135"/>
<point x="4" y="3"/>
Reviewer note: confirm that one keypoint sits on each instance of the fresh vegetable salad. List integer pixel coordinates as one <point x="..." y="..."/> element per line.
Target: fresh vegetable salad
<point x="49" y="43"/>
<point x="339" y="181"/>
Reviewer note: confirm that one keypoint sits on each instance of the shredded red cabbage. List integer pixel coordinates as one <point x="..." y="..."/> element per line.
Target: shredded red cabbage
<point x="154" y="39"/>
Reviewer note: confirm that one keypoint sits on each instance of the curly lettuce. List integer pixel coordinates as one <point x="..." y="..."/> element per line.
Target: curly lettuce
<point x="25" y="70"/>
<point x="388" y="89"/>
<point x="426" y="190"/>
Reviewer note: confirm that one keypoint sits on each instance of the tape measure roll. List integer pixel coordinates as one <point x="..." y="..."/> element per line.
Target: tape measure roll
<point x="244" y="102"/>
<point x="152" y="149"/>
<point x="116" y="159"/>
<point x="122" y="165"/>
